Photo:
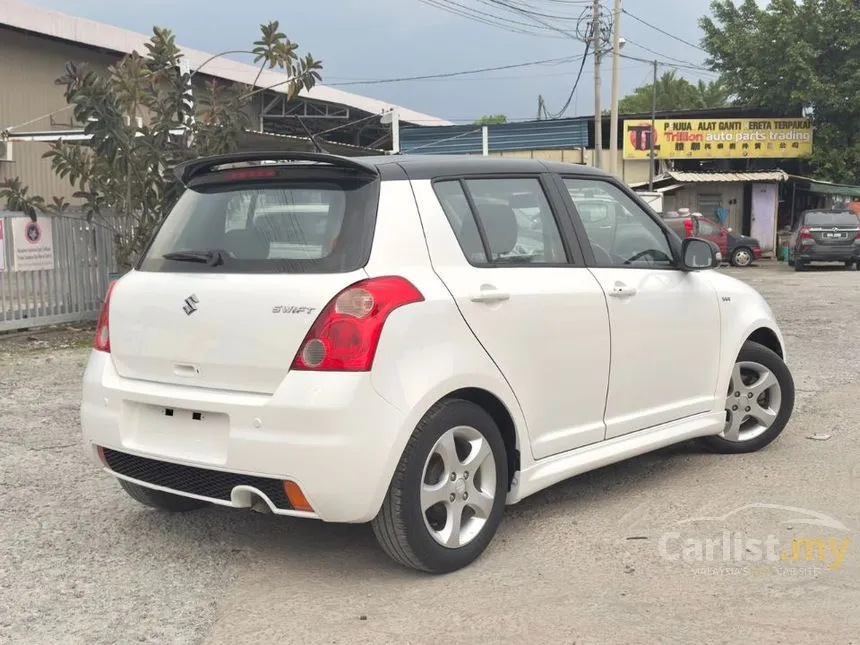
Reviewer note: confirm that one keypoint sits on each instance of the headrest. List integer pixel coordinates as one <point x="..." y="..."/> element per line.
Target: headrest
<point x="500" y="224"/>
<point x="247" y="244"/>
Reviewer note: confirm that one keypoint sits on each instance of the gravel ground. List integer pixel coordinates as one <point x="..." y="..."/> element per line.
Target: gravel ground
<point x="578" y="563"/>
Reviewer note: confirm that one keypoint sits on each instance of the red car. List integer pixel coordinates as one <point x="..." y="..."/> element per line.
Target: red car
<point x="740" y="250"/>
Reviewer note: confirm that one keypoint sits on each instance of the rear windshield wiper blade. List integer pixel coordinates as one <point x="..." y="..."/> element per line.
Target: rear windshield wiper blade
<point x="213" y="257"/>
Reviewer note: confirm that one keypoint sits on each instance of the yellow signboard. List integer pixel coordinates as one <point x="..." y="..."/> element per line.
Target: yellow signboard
<point x="718" y="139"/>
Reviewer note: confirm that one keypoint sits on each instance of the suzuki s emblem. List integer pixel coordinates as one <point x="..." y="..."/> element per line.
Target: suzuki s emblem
<point x="190" y="304"/>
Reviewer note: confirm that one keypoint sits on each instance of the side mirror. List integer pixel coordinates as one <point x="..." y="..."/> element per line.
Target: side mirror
<point x="698" y="254"/>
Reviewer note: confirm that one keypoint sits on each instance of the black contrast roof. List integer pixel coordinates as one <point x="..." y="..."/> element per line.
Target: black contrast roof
<point x="433" y="166"/>
<point x="389" y="166"/>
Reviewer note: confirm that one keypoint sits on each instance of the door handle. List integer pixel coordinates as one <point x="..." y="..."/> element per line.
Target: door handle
<point x="622" y="291"/>
<point x="489" y="294"/>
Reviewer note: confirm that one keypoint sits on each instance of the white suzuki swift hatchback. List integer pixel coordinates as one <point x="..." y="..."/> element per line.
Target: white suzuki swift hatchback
<point x="416" y="342"/>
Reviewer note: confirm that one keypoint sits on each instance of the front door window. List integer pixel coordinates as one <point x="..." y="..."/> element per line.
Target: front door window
<point x="619" y="232"/>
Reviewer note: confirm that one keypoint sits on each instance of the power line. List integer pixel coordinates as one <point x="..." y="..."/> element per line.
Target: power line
<point x="377" y="81"/>
<point x="523" y="10"/>
<point x="573" y="89"/>
<point x="536" y="25"/>
<point x="515" y="77"/>
<point x="534" y="16"/>
<point x="669" y="63"/>
<point x="676" y="61"/>
<point x="490" y="19"/>
<point x="663" y="31"/>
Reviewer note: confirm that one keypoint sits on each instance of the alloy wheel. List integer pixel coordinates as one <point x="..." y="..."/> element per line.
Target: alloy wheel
<point x="458" y="487"/>
<point x="753" y="401"/>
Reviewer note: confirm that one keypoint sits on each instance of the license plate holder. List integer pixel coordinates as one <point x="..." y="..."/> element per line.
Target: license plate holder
<point x="168" y="431"/>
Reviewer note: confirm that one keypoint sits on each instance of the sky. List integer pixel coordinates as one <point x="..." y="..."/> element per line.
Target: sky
<point x="359" y="40"/>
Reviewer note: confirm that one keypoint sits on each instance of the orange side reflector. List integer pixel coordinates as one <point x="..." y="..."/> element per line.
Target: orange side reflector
<point x="297" y="497"/>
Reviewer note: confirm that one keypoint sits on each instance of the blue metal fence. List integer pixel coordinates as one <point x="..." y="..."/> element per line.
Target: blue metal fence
<point x="557" y="134"/>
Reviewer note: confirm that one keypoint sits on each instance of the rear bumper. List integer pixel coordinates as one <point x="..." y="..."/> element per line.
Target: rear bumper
<point x="820" y="253"/>
<point x="332" y="434"/>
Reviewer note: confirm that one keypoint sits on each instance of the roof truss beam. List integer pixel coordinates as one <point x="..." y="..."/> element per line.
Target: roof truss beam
<point x="280" y="108"/>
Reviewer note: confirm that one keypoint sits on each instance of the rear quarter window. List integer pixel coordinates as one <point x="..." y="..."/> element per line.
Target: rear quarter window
<point x="287" y="227"/>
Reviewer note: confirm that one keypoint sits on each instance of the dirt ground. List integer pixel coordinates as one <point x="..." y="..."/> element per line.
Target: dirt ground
<point x="595" y="560"/>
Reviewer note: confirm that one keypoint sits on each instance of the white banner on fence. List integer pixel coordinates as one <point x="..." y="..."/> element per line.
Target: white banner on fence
<point x="2" y="247"/>
<point x="32" y="244"/>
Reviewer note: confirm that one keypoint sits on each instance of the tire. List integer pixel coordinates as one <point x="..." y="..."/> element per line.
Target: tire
<point x="849" y="264"/>
<point x="402" y="527"/>
<point x="799" y="266"/>
<point x="752" y="436"/>
<point x="161" y="500"/>
<point x="742" y="257"/>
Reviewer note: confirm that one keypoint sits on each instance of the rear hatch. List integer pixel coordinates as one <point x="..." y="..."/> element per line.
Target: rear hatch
<point x="239" y="271"/>
<point x="838" y="228"/>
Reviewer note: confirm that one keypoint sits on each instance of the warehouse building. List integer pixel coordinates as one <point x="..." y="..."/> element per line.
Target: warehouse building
<point x="36" y="44"/>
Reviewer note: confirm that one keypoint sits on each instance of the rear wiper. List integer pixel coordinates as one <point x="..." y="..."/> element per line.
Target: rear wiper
<point x="213" y="258"/>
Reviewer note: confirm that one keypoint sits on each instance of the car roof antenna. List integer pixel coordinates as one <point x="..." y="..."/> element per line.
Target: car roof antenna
<point x="311" y="136"/>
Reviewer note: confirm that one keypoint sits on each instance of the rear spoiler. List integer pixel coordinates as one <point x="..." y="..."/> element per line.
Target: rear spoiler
<point x="187" y="170"/>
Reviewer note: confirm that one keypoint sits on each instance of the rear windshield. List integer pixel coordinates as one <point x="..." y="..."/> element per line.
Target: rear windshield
<point x="845" y="218"/>
<point x="287" y="227"/>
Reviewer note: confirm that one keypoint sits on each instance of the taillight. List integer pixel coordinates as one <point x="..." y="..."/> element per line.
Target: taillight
<point x="688" y="227"/>
<point x="806" y="236"/>
<point x="102" y="341"/>
<point x="345" y="335"/>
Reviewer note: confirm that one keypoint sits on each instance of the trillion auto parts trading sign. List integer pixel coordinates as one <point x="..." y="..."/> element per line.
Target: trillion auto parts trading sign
<point x="718" y="139"/>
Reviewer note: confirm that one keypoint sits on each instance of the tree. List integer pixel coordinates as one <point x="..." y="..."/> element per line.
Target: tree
<point x="791" y="57"/>
<point x="141" y="126"/>
<point x="492" y="119"/>
<point x="674" y="93"/>
<point x="17" y="198"/>
<point x="713" y="94"/>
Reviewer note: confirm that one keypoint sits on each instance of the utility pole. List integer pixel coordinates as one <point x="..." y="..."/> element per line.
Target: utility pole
<point x="596" y="42"/>
<point x="616" y="81"/>
<point x="653" y="129"/>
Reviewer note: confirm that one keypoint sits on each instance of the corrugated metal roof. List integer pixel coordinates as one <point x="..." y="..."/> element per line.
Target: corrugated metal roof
<point x="95" y="34"/>
<point x="503" y="137"/>
<point x="711" y="177"/>
<point x="828" y="187"/>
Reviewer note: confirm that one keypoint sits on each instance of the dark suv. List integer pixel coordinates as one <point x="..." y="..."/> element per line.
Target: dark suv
<point x="825" y="236"/>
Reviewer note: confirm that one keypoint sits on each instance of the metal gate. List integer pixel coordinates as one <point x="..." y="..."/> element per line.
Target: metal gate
<point x="70" y="292"/>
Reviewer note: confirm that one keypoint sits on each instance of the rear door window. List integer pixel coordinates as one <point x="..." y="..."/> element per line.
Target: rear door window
<point x="287" y="227"/>
<point x="516" y="221"/>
